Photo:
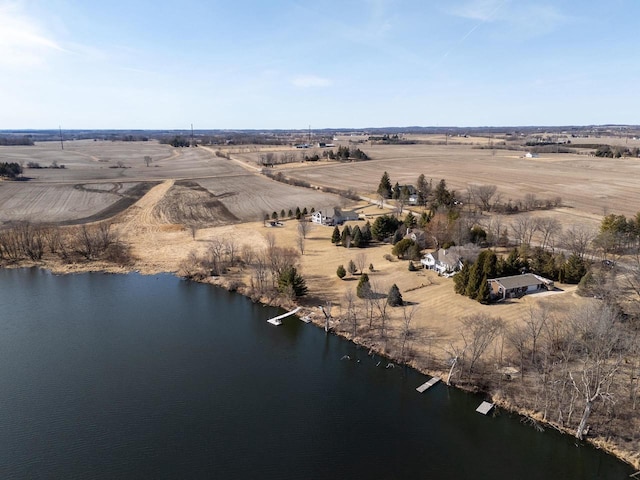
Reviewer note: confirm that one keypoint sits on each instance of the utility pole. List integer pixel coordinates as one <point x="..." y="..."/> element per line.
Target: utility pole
<point x="61" y="143"/>
<point x="192" y="134"/>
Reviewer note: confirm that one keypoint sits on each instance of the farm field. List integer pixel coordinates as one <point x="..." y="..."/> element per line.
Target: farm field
<point x="98" y="175"/>
<point x="588" y="186"/>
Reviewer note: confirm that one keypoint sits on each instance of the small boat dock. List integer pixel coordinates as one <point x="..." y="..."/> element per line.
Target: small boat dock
<point x="426" y="386"/>
<point x="484" y="408"/>
<point x="278" y="320"/>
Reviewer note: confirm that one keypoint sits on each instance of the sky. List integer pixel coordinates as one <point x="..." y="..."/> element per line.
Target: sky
<point x="278" y="64"/>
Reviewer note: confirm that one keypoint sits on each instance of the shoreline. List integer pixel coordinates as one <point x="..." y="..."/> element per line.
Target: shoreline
<point x="58" y="268"/>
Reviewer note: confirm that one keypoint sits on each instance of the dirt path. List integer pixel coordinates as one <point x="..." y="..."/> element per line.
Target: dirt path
<point x="140" y="217"/>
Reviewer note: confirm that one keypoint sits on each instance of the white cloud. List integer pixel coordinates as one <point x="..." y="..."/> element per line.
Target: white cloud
<point x="310" y="81"/>
<point x="22" y="41"/>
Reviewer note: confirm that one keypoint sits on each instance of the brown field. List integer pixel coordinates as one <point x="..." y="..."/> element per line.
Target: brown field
<point x="589" y="186"/>
<point x="88" y="185"/>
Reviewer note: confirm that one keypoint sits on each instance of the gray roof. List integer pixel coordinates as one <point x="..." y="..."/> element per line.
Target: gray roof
<point x="521" y="281"/>
<point x="447" y="257"/>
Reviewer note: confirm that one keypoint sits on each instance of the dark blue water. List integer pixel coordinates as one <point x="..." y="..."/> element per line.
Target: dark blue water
<point x="129" y="376"/>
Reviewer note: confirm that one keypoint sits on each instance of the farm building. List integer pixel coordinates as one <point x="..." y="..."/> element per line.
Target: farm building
<point x="334" y="216"/>
<point x="518" y="285"/>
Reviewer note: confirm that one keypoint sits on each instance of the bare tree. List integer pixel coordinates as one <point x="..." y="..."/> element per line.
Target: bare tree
<point x="577" y="240"/>
<point x="534" y="323"/>
<point x="361" y="261"/>
<point x="482" y="194"/>
<point x="407" y="316"/>
<point x="523" y="227"/>
<point x="518" y="338"/>
<point x="300" y="240"/>
<point x="596" y="332"/>
<point x="351" y="310"/>
<point x="231" y="249"/>
<point x="147" y="160"/>
<point x="478" y="332"/>
<point x="304" y="227"/>
<point x="549" y="227"/>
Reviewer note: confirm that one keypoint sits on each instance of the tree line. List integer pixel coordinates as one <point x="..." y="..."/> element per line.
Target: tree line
<point x="28" y="241"/>
<point x="10" y="170"/>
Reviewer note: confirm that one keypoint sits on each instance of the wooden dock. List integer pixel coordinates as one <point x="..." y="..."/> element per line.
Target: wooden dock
<point x="484" y="408"/>
<point x="428" y="385"/>
<point x="278" y="320"/>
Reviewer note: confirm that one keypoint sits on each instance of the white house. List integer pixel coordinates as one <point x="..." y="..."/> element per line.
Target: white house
<point x="442" y="261"/>
<point x="334" y="216"/>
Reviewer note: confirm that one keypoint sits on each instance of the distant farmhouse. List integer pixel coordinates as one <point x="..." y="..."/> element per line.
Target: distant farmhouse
<point x="518" y="285"/>
<point x="334" y="216"/>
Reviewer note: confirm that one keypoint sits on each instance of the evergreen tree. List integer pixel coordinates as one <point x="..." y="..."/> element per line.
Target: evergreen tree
<point x="395" y="193"/>
<point x="341" y="272"/>
<point x="423" y="188"/>
<point x="490" y="264"/>
<point x="574" y="269"/>
<point x="484" y="293"/>
<point x="345" y="238"/>
<point x="352" y="267"/>
<point x="274" y="216"/>
<point x="335" y="236"/>
<point x="290" y="214"/>
<point x="304" y="211"/>
<point x="384" y="226"/>
<point x="291" y="282"/>
<point x="384" y="188"/>
<point x="363" y="289"/>
<point x="461" y="279"/>
<point x="366" y="234"/>
<point x="282" y="214"/>
<point x="473" y="283"/>
<point x="356" y="234"/>
<point x="424" y="220"/>
<point x="400" y="248"/>
<point x="394" y="297"/>
<point x="410" y="220"/>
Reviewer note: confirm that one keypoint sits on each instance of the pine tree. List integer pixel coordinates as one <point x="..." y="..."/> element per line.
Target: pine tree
<point x="356" y="235"/>
<point x="341" y="272"/>
<point x="290" y="281"/>
<point x="394" y="297"/>
<point x="484" y="293"/>
<point x="351" y="266"/>
<point x="410" y="220"/>
<point x="366" y="234"/>
<point x="345" y="238"/>
<point x="395" y="194"/>
<point x="384" y="188"/>
<point x="461" y="279"/>
<point x="473" y="283"/>
<point x="363" y="289"/>
<point x="335" y="236"/>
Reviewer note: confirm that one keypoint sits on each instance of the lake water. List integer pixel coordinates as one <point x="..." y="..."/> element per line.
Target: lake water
<point x="130" y="376"/>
